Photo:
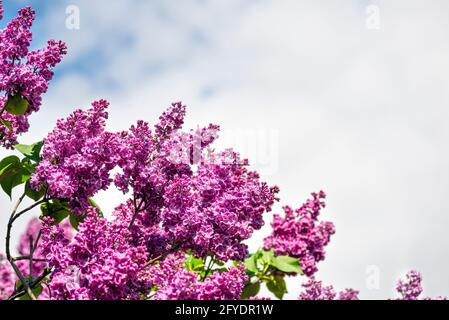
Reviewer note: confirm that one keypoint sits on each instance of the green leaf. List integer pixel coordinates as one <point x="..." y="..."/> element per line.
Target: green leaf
<point x="56" y="209"/>
<point x="194" y="264"/>
<point x="6" y="123"/>
<point x="251" y="264"/>
<point x="6" y="162"/>
<point x="17" y="105"/>
<point x="267" y="257"/>
<point x="33" y="194"/>
<point x="76" y="220"/>
<point x="250" y="290"/>
<point x="277" y="286"/>
<point x="95" y="205"/>
<point x="37" y="290"/>
<point x="13" y="175"/>
<point x="32" y="152"/>
<point x="287" y="264"/>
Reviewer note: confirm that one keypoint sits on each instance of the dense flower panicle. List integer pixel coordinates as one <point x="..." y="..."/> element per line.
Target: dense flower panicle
<point x="8" y="277"/>
<point x="177" y="283"/>
<point x="201" y="200"/>
<point x="77" y="158"/>
<point x="24" y="73"/>
<point x="171" y="120"/>
<point x="314" y="290"/>
<point x="214" y="210"/>
<point x="31" y="233"/>
<point x="299" y="234"/>
<point x="98" y="264"/>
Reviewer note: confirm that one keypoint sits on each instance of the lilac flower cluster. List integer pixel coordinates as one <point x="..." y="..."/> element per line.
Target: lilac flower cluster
<point x="177" y="283"/>
<point x="23" y="73"/>
<point x="216" y="209"/>
<point x="207" y="206"/>
<point x="8" y="277"/>
<point x="77" y="158"/>
<point x="411" y="288"/>
<point x="300" y="235"/>
<point x="314" y="290"/>
<point x="99" y="263"/>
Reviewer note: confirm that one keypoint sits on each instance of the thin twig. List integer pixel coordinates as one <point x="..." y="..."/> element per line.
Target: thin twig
<point x="161" y="256"/>
<point x="32" y="286"/>
<point x="28" y="258"/>
<point x="136" y="211"/>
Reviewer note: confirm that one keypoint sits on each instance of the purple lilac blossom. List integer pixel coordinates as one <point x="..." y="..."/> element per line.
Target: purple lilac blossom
<point x="299" y="234"/>
<point x="24" y="73"/>
<point x="314" y="290"/>
<point x="77" y="158"/>
<point x="177" y="283"/>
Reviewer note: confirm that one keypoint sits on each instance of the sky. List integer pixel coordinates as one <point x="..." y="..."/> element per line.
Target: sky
<point x="350" y="97"/>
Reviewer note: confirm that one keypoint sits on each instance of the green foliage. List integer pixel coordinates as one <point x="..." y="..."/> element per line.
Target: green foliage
<point x="6" y="123"/>
<point x="17" y="105"/>
<point x="194" y="264"/>
<point x="32" y="152"/>
<point x="251" y="264"/>
<point x="277" y="286"/>
<point x="250" y="290"/>
<point x="14" y="172"/>
<point x="270" y="269"/>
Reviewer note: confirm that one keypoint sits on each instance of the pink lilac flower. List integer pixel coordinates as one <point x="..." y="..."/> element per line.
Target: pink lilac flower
<point x="24" y="73"/>
<point x="77" y="158"/>
<point x="299" y="234"/>
<point x="98" y="264"/>
<point x="410" y="288"/>
<point x="7" y="278"/>
<point x="314" y="290"/>
<point x="204" y="201"/>
<point x="176" y="283"/>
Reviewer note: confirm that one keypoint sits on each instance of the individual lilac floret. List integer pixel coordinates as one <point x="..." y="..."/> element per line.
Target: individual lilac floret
<point x="77" y="158"/>
<point x="299" y="234"/>
<point x="23" y="73"/>
<point x="314" y="290"/>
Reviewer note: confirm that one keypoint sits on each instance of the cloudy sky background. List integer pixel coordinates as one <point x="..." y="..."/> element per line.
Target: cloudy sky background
<point x="312" y="92"/>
